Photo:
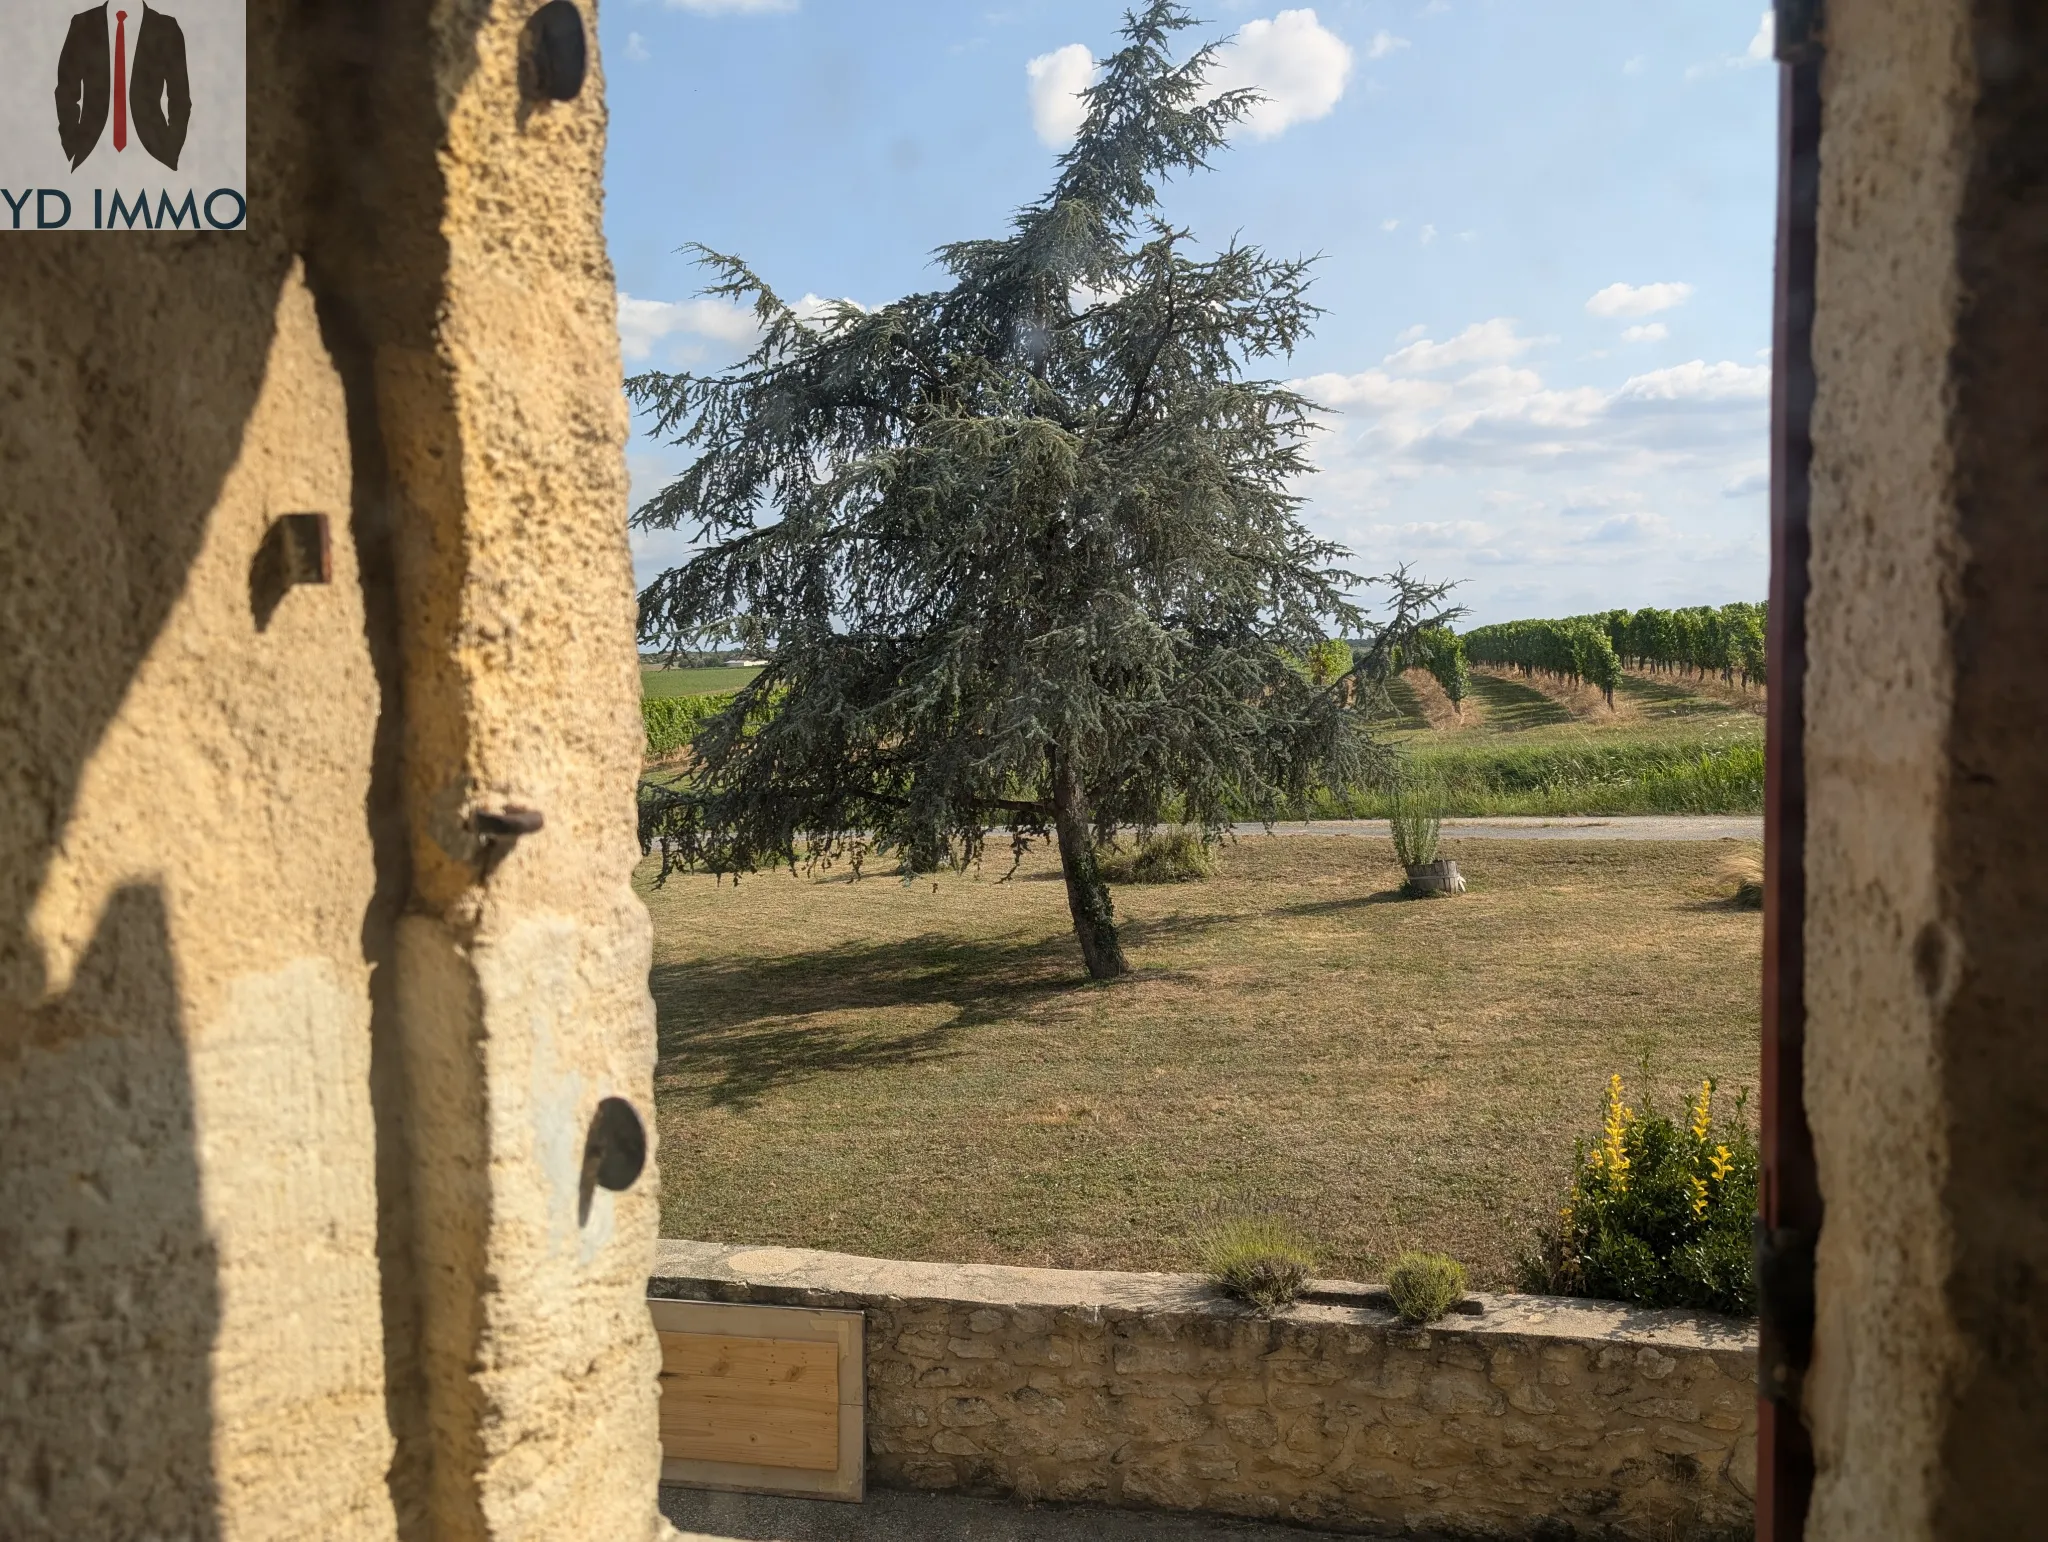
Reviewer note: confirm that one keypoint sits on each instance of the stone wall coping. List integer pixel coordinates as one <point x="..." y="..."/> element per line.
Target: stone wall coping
<point x="803" y="1277"/>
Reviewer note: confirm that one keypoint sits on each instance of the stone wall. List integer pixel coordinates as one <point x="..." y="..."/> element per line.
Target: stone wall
<point x="1927" y="854"/>
<point x="1537" y="1417"/>
<point x="295" y="1067"/>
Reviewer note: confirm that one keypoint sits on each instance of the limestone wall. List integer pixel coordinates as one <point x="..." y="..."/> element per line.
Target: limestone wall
<point x="295" y="1068"/>
<point x="1148" y="1390"/>
<point x="1927" y="854"/>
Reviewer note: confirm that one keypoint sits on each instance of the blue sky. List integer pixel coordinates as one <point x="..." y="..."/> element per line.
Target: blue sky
<point x="1546" y="228"/>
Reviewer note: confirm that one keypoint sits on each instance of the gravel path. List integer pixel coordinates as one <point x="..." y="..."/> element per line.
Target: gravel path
<point x="1629" y="827"/>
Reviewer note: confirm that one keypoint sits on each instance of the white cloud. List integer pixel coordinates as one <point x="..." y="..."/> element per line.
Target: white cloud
<point x="1396" y="428"/>
<point x="1763" y="48"/>
<point x="1628" y="528"/>
<point x="731" y="7"/>
<point x="643" y="323"/>
<point x="709" y="331"/>
<point x="636" y="47"/>
<point x="1653" y="332"/>
<point x="1294" y="61"/>
<point x="1428" y="234"/>
<point x="1056" y="81"/>
<point x="1638" y="300"/>
<point x="1634" y="66"/>
<point x="1382" y="44"/>
<point x="1546" y="499"/>
<point x="1390" y="224"/>
<point x="1484" y="342"/>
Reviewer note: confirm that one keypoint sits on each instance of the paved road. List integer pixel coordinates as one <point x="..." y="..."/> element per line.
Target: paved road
<point x="889" y="1516"/>
<point x="1631" y="827"/>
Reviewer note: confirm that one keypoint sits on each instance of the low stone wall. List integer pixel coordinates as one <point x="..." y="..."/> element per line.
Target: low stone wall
<point x="1537" y="1417"/>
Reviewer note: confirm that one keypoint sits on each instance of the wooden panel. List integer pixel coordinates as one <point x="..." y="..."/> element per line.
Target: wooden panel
<point x="764" y="1402"/>
<point x="762" y="1399"/>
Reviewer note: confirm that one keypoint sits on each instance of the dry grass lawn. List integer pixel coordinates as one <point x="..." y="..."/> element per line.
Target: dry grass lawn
<point x="922" y="1072"/>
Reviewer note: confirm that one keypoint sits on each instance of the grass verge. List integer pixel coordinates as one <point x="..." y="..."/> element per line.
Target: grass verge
<point x="921" y="1071"/>
<point x="1597" y="778"/>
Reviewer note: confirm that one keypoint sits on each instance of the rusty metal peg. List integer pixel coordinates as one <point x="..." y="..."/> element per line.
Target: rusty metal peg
<point x="507" y="822"/>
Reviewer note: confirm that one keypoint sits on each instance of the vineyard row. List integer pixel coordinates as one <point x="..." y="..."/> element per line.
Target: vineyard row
<point x="1699" y="640"/>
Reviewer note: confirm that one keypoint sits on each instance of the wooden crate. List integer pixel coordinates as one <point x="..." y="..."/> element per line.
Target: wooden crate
<point x="762" y="1399"/>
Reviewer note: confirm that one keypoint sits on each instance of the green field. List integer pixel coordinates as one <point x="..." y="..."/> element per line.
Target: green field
<point x="657" y="683"/>
<point x="1667" y="749"/>
<point x="921" y="1070"/>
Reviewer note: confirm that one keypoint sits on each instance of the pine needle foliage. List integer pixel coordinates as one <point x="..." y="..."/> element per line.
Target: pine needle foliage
<point x="1025" y="547"/>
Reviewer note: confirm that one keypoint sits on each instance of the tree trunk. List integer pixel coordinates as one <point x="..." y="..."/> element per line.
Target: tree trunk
<point x="1087" y="895"/>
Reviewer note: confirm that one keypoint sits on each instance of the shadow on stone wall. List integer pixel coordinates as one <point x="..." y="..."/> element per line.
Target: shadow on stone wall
<point x="110" y="1294"/>
<point x="128" y="369"/>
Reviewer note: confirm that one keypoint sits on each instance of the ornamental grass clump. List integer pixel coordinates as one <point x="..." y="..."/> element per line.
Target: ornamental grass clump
<point x="1415" y="820"/>
<point x="1660" y="1211"/>
<point x="1741" y="880"/>
<point x="1425" y="1285"/>
<point x="1259" y="1260"/>
<point x="1168" y="856"/>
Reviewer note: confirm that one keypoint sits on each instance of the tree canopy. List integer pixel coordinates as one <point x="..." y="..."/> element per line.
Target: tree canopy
<point x="1026" y="547"/>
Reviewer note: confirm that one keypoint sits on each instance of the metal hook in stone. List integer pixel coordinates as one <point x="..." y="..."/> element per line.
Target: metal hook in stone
<point x="506" y="823"/>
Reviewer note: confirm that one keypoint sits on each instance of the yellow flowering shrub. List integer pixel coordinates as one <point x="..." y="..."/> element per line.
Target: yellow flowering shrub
<point x="1660" y="1210"/>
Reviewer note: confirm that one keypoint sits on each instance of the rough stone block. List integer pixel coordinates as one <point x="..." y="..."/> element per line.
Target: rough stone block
<point x="1253" y="1428"/>
<point x="1653" y="1364"/>
<point x="965" y="1412"/>
<point x="1679" y="1409"/>
<point x="924" y="1343"/>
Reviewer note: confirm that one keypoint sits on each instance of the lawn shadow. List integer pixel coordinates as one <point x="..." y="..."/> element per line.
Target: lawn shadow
<point x="1149" y="931"/>
<point x="738" y="1022"/>
<point x="1407" y="715"/>
<point x="738" y="1025"/>
<point x="1665" y="698"/>
<point x="1511" y="707"/>
<point x="1336" y="907"/>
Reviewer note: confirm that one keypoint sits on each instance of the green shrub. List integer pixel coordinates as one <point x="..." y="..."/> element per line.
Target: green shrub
<point x="1659" y="1213"/>
<point x="1258" y="1260"/>
<point x="1425" y="1285"/>
<point x="1170" y="856"/>
<point x="1327" y="661"/>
